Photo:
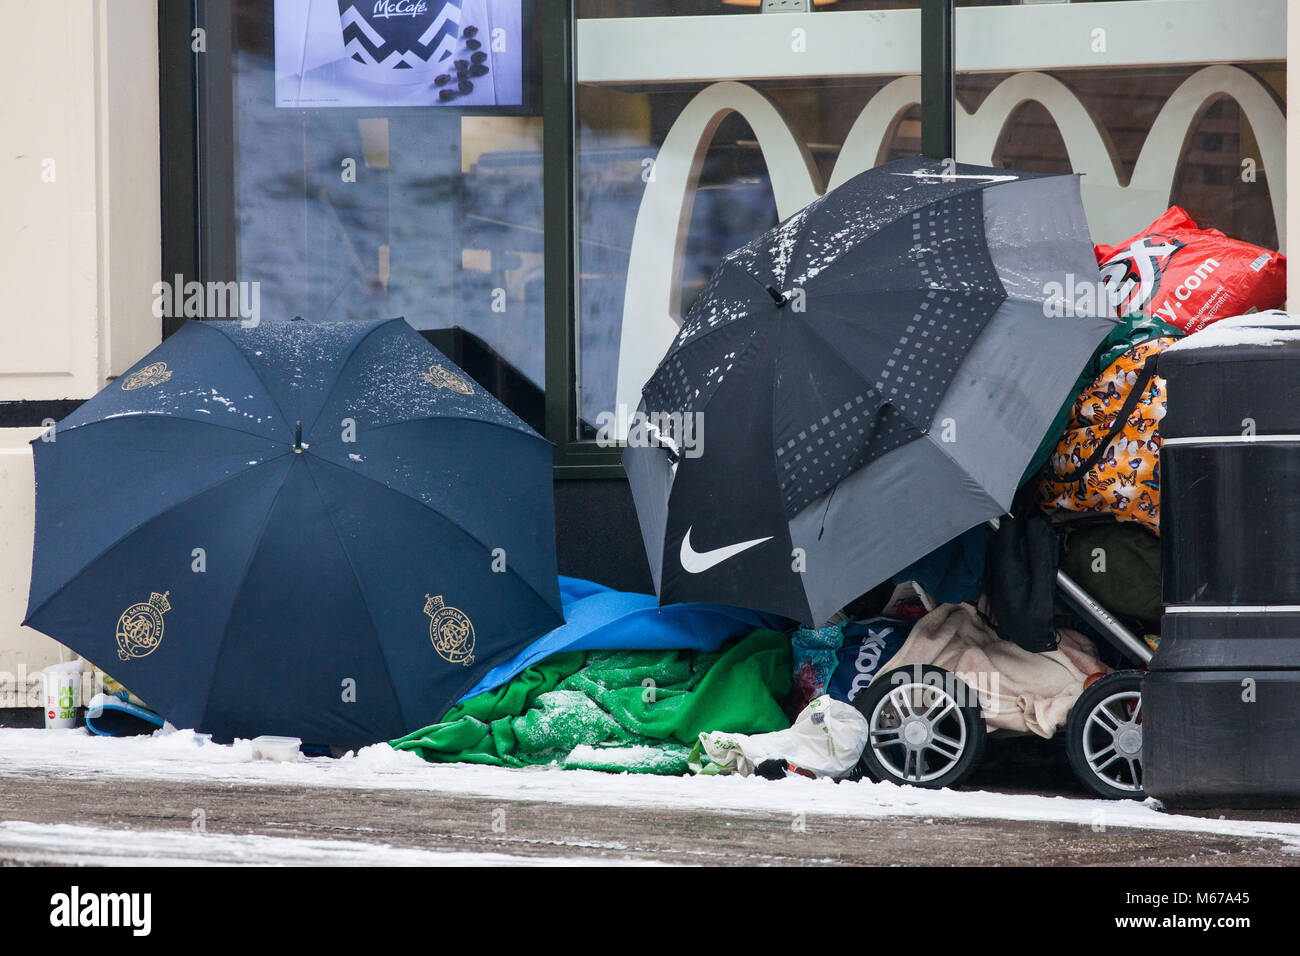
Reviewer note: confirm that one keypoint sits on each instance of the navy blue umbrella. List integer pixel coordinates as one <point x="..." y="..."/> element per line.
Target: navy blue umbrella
<point x="321" y="531"/>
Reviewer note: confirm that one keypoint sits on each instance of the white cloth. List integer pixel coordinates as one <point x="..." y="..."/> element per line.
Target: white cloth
<point x="826" y="740"/>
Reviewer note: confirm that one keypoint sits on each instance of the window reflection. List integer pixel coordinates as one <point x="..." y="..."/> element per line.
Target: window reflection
<point x="431" y="213"/>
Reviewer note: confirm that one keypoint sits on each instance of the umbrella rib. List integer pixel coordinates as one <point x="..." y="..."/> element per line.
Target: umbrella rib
<point x="924" y="429"/>
<point x="197" y="421"/>
<point x="526" y="431"/>
<point x="329" y="392"/>
<point x="240" y="352"/>
<point x="828" y="287"/>
<point x="962" y="468"/>
<point x="835" y="353"/>
<point x="234" y="595"/>
<point x="356" y="578"/>
<point x="752" y="344"/>
<point x="675" y="348"/>
<point x="704" y="335"/>
<point x="32" y="612"/>
<point x="800" y="236"/>
<point x="455" y="524"/>
<point x="751" y="314"/>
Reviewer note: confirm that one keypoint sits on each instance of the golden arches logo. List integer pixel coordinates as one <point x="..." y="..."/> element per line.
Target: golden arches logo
<point x="652" y="298"/>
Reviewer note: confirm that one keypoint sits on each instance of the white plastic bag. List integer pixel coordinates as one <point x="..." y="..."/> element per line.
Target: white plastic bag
<point x="826" y="740"/>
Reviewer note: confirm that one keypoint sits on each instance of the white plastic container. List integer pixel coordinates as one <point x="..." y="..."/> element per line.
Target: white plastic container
<point x="276" y="749"/>
<point x="62" y="697"/>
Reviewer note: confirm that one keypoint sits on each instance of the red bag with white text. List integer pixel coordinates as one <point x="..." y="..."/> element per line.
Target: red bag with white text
<point x="1190" y="277"/>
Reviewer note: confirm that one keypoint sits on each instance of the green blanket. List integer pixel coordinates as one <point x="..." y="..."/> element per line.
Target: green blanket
<point x="633" y="711"/>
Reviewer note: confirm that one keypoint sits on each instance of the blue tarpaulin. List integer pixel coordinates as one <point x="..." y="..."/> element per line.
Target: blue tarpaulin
<point x="600" y="618"/>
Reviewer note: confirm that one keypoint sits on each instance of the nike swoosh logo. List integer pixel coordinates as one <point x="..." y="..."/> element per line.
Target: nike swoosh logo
<point x="697" y="562"/>
<point x="919" y="174"/>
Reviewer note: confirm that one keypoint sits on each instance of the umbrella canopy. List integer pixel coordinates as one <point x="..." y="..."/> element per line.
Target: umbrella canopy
<point x="861" y="384"/>
<point x="320" y="531"/>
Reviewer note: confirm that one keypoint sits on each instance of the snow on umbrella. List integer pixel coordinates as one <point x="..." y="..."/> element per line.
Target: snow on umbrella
<point x="875" y="374"/>
<point x="320" y="531"/>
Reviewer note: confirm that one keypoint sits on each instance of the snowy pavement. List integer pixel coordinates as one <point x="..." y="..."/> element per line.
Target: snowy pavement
<point x="186" y="758"/>
<point x="27" y="843"/>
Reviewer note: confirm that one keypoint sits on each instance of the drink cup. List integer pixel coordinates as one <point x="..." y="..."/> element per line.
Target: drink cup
<point x="62" y="695"/>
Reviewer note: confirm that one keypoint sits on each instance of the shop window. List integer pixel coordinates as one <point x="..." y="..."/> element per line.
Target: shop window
<point x="352" y="170"/>
<point x="1166" y="122"/>
<point x="1030" y="140"/>
<point x="1047" y="87"/>
<point x="1210" y="183"/>
<point x="672" y="172"/>
<point x="609" y="9"/>
<point x="681" y="129"/>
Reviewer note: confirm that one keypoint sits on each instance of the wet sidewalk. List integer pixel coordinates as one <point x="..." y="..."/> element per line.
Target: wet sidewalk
<point x="49" y="819"/>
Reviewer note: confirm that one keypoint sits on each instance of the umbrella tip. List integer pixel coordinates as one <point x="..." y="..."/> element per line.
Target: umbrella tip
<point x="777" y="296"/>
<point x="297" y="438"/>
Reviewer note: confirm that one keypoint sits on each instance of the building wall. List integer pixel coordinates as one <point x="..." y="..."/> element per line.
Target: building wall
<point x="80" y="240"/>
<point x="597" y="536"/>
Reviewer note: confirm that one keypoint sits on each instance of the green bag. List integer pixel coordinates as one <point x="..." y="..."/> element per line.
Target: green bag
<point x="1118" y="563"/>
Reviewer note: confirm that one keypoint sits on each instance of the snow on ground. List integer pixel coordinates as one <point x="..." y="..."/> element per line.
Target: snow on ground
<point x="186" y="756"/>
<point x="95" y="846"/>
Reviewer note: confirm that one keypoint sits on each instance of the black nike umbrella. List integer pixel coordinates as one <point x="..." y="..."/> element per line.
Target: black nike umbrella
<point x="861" y="384"/>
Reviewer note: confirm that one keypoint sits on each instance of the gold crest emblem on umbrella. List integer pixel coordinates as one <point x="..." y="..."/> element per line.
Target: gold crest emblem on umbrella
<point x="154" y="374"/>
<point x="140" y="628"/>
<point x="451" y="631"/>
<point x="446" y="378"/>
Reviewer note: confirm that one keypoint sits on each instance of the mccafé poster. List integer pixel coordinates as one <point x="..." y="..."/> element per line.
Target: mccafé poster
<point x="380" y="53"/>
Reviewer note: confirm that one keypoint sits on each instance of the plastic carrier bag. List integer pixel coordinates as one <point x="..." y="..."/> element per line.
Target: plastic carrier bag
<point x="1190" y="277"/>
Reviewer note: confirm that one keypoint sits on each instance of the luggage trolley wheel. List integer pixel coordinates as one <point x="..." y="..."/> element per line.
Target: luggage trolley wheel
<point x="1104" y="736"/>
<point x="925" y="727"/>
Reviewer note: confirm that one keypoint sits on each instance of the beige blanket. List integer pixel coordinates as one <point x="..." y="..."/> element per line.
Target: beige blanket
<point x="1017" y="690"/>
